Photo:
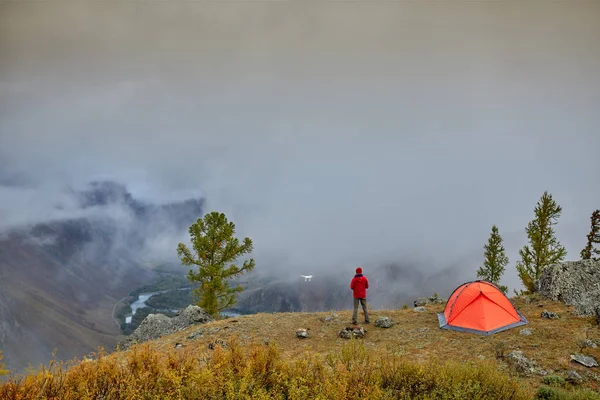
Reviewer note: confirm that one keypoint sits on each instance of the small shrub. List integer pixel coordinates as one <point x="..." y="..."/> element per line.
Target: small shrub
<point x="405" y="307"/>
<point x="262" y="372"/>
<point x="554" y="381"/>
<point x="582" y="340"/>
<point x="499" y="348"/>
<point x="550" y="393"/>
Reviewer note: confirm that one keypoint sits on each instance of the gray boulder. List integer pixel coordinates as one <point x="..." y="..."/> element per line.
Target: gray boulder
<point x="576" y="283"/>
<point x="588" y="361"/>
<point x="419" y="309"/>
<point x="384" y="322"/>
<point x="157" y="325"/>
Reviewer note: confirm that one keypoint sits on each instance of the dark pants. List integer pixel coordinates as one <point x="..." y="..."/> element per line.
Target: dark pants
<point x="363" y="302"/>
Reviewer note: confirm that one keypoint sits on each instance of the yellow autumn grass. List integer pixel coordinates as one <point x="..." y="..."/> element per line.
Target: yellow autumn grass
<point x="260" y="372"/>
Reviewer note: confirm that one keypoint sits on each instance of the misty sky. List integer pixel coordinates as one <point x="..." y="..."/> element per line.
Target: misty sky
<point x="333" y="134"/>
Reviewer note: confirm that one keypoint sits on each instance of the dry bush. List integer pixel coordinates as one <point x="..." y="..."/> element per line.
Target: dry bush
<point x="260" y="372"/>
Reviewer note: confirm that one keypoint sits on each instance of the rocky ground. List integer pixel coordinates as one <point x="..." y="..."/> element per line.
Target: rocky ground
<point x="575" y="283"/>
<point x="547" y="347"/>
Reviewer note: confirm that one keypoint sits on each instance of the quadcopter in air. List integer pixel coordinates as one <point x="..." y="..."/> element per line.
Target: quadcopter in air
<point x="307" y="278"/>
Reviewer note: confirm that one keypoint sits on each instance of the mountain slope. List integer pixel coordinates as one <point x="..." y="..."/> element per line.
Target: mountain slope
<point x="60" y="280"/>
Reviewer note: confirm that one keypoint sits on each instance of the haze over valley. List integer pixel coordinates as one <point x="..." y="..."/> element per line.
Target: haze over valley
<point x="386" y="135"/>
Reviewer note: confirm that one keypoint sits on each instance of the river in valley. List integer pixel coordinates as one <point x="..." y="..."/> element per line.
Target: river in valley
<point x="143" y="297"/>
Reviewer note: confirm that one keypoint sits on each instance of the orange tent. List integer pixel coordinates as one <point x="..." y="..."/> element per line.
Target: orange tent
<point x="479" y="307"/>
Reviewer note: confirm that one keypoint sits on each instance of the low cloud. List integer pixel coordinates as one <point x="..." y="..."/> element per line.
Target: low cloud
<point x="333" y="136"/>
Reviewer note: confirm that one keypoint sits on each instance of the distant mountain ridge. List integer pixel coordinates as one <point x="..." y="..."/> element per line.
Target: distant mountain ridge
<point x="59" y="280"/>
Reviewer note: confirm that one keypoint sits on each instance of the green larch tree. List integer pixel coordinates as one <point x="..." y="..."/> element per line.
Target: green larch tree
<point x="495" y="260"/>
<point x="593" y="239"/>
<point x="215" y="252"/>
<point x="543" y="249"/>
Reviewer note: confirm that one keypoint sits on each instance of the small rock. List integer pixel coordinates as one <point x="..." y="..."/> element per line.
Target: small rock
<point x="481" y="357"/>
<point x="421" y="301"/>
<point x="331" y="317"/>
<point x="178" y="345"/>
<point x="542" y="372"/>
<point x="359" y="332"/>
<point x="345" y="334"/>
<point x="301" y="333"/>
<point x="590" y="344"/>
<point x="526" y="331"/>
<point x="384" y="322"/>
<point x="352" y="332"/>
<point x="573" y="376"/>
<point x="436" y="300"/>
<point x="419" y="309"/>
<point x="549" y="315"/>
<point x="195" y="334"/>
<point x="522" y="363"/>
<point x="211" y="345"/>
<point x="588" y="361"/>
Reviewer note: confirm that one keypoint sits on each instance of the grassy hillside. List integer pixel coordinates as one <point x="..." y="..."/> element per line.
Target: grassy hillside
<point x="262" y="358"/>
<point x="57" y="300"/>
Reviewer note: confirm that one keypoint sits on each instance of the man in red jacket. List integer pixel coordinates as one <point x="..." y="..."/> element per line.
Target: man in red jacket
<point x="359" y="286"/>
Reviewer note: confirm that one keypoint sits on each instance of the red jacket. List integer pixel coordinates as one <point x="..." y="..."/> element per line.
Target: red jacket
<point x="359" y="285"/>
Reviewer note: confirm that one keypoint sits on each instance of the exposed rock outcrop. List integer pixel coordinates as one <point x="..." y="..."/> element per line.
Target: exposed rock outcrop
<point x="524" y="365"/>
<point x="157" y="325"/>
<point x="575" y="283"/>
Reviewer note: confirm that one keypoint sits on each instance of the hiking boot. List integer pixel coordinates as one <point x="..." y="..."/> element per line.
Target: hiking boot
<point x="353" y="323"/>
<point x="367" y="322"/>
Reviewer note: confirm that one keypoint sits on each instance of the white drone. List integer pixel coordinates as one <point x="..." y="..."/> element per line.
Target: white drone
<point x="307" y="278"/>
